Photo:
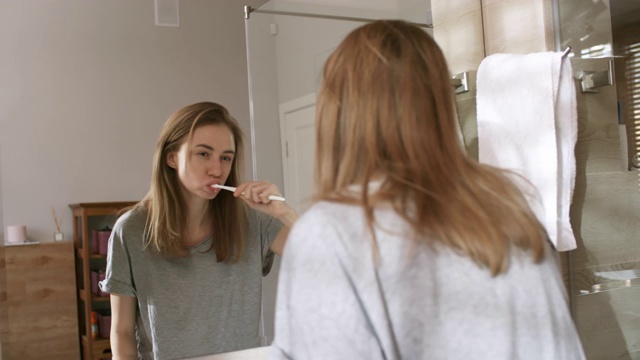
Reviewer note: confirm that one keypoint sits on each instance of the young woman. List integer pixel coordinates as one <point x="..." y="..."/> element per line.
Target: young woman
<point x="412" y="250"/>
<point x="185" y="264"/>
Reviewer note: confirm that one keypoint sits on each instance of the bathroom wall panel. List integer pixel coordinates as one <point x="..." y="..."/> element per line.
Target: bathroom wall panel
<point x="458" y="31"/>
<point x="444" y="11"/>
<point x="460" y="39"/>
<point x="467" y="111"/>
<point x="514" y="26"/>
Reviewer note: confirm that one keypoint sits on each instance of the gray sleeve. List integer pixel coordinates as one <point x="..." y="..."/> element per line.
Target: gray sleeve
<point x="118" y="279"/>
<point x="269" y="229"/>
<point x="319" y="314"/>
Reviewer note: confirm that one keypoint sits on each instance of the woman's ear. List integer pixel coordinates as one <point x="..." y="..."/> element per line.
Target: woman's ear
<point x="171" y="159"/>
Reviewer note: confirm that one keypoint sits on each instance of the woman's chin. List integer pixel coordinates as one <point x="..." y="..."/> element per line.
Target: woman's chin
<point x="210" y="195"/>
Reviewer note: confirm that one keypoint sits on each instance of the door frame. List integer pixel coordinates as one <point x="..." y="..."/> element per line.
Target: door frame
<point x="285" y="108"/>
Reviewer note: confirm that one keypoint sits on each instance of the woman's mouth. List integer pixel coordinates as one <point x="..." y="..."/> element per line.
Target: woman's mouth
<point x="211" y="189"/>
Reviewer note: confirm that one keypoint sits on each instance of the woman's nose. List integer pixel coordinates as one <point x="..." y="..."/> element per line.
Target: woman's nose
<point x="215" y="169"/>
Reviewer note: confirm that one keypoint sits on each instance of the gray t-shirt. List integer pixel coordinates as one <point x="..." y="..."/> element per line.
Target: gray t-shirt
<point x="334" y="302"/>
<point x="191" y="306"/>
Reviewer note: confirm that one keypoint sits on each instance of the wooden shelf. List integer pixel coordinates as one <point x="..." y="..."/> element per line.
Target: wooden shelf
<point x="99" y="345"/>
<point x="81" y="294"/>
<point x="100" y="208"/>
<point x="92" y="349"/>
<point x="91" y="256"/>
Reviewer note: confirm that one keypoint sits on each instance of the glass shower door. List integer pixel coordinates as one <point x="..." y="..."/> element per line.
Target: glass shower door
<point x="605" y="268"/>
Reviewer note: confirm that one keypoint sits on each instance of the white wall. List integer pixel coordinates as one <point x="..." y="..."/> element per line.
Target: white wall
<point x="86" y="86"/>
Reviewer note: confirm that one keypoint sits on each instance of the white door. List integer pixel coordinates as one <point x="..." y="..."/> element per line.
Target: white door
<point x="297" y="127"/>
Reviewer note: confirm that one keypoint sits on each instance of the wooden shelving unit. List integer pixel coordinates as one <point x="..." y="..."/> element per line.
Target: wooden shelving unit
<point x="88" y="217"/>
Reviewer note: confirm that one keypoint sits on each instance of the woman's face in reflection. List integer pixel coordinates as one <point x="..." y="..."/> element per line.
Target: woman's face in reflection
<point x="206" y="160"/>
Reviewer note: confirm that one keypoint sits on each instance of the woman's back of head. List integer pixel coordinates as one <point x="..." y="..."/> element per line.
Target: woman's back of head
<point x="386" y="112"/>
<point x="386" y="96"/>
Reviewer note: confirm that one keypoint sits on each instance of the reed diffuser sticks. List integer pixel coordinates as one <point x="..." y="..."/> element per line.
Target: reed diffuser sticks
<point x="55" y="220"/>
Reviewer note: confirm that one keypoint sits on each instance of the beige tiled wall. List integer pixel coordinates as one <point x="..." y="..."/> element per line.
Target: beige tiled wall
<point x="457" y="28"/>
<point x="517" y="26"/>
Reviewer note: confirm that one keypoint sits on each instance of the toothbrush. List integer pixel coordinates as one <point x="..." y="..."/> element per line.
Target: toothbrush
<point x="231" y="188"/>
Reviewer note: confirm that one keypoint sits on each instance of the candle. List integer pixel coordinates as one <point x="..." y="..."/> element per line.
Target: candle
<point x="16" y="234"/>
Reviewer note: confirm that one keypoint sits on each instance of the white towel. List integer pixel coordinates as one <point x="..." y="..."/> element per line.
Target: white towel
<point x="527" y="123"/>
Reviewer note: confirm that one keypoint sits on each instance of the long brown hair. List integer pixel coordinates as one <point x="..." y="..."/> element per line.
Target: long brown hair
<point x="385" y="112"/>
<point x="166" y="219"/>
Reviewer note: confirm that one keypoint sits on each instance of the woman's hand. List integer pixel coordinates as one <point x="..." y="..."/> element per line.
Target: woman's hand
<point x="256" y="195"/>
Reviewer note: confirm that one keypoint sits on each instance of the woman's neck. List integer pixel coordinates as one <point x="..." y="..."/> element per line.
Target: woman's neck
<point x="199" y="224"/>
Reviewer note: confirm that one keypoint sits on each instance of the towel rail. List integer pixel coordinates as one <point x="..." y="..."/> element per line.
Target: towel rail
<point x="460" y="82"/>
<point x="591" y="80"/>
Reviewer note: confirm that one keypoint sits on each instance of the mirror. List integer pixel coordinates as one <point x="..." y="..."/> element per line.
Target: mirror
<point x="288" y="43"/>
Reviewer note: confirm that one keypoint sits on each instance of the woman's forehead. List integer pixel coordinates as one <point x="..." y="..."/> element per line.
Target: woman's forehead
<point x="217" y="136"/>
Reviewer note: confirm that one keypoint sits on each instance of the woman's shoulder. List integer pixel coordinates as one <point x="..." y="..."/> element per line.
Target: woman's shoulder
<point x="135" y="217"/>
<point x="325" y="215"/>
<point x="338" y="210"/>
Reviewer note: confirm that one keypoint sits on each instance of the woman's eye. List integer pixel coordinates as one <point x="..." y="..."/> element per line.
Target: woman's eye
<point x="203" y="154"/>
<point x="227" y="158"/>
